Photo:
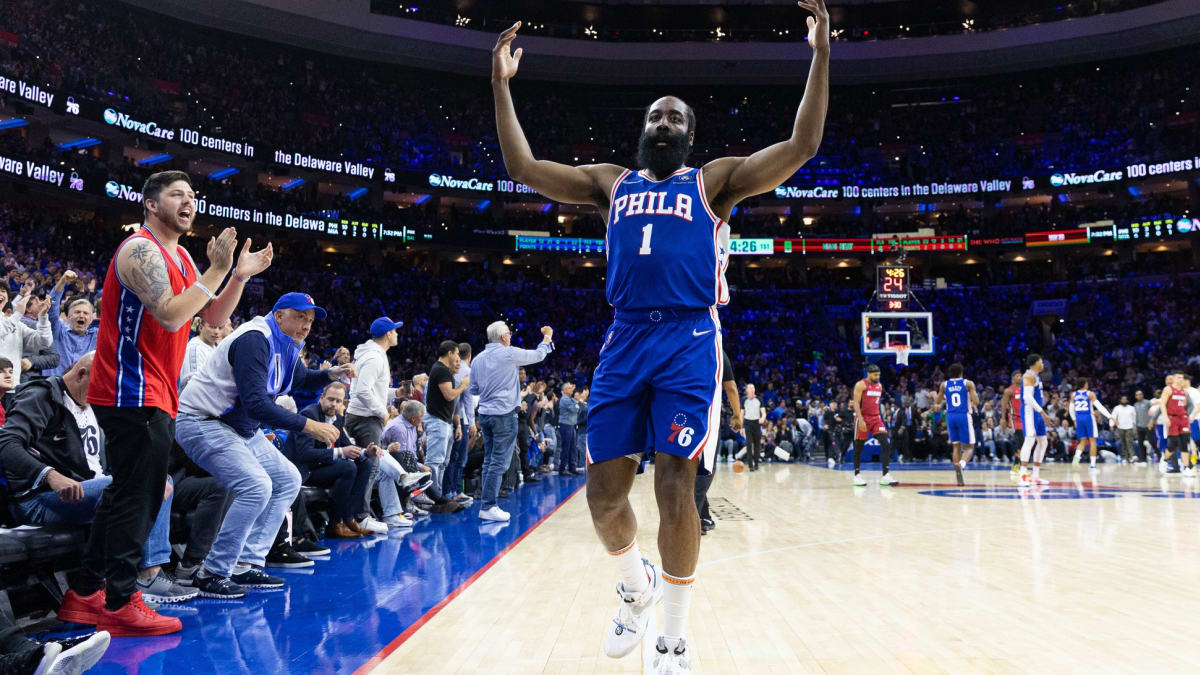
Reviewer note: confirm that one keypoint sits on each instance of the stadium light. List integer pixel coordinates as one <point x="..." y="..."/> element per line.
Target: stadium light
<point x="156" y="159"/>
<point x="355" y="194"/>
<point x="80" y="144"/>
<point x="222" y="174"/>
<point x="294" y="183"/>
<point x="13" y="123"/>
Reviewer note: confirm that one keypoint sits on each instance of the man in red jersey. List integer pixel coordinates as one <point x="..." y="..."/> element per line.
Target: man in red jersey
<point x="868" y="423"/>
<point x="1174" y="403"/>
<point x="1010" y="416"/>
<point x="151" y="293"/>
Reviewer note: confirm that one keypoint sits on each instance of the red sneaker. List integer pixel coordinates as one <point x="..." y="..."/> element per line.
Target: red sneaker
<point x="136" y="619"/>
<point x="78" y="608"/>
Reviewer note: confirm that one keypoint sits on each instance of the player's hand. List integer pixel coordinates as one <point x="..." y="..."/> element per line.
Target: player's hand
<point x="250" y="262"/>
<point x="220" y="249"/>
<point x="504" y="62"/>
<point x="818" y="23"/>
<point x="735" y="423"/>
<point x="862" y="424"/>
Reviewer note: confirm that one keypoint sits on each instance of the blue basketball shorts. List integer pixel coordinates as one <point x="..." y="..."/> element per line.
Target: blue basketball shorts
<point x="1196" y="430"/>
<point x="1033" y="422"/>
<point x="1160" y="436"/>
<point x="960" y="428"/>
<point x="657" y="387"/>
<point x="1085" y="427"/>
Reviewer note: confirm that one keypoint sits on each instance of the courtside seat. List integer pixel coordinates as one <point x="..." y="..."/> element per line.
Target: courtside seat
<point x="41" y="542"/>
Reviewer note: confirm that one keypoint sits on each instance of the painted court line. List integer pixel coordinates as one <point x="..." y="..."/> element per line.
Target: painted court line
<point x="827" y="542"/>
<point x="433" y="611"/>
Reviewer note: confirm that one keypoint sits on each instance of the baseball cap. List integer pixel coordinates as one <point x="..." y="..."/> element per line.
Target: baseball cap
<point x="298" y="301"/>
<point x="382" y="325"/>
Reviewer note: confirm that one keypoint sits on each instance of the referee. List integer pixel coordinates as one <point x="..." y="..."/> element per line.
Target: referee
<point x="753" y="412"/>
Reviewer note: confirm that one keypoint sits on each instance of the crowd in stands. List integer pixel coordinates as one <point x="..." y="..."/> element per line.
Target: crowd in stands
<point x="1072" y="118"/>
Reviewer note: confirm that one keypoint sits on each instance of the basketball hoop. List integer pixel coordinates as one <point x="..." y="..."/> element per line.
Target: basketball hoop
<point x="901" y="354"/>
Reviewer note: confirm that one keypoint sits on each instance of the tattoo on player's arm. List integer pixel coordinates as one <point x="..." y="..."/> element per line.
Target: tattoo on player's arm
<point x="146" y="275"/>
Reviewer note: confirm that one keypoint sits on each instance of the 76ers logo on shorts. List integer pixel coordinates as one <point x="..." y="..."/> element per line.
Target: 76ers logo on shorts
<point x="681" y="433"/>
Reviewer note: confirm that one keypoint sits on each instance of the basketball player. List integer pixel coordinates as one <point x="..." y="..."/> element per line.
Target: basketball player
<point x="1193" y="406"/>
<point x="1158" y="423"/>
<point x="868" y="423"/>
<point x="1085" y="425"/>
<point x="1174" y="402"/>
<point x="959" y="394"/>
<point x="1034" y="423"/>
<point x="1010" y="416"/>
<point x="657" y="385"/>
<point x="152" y="292"/>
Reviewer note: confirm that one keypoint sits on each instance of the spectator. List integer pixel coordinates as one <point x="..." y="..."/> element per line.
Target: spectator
<point x="495" y="381"/>
<point x="452" y="484"/>
<point x="342" y="468"/>
<point x="441" y="427"/>
<point x="200" y="502"/>
<point x="55" y="477"/>
<point x="219" y="428"/>
<point x="370" y="393"/>
<point x="18" y="339"/>
<point x="21" y="656"/>
<point x="6" y="385"/>
<point x="400" y="438"/>
<point x="34" y="363"/>
<point x="77" y="336"/>
<point x="199" y="348"/>
<point x="581" y="397"/>
<point x="1145" y="435"/>
<point x="568" y="417"/>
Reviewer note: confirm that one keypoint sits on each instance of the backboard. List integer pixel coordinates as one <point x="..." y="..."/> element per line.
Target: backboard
<point x="882" y="331"/>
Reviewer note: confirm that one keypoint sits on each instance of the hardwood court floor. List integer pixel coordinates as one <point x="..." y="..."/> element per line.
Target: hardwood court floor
<point x="817" y="576"/>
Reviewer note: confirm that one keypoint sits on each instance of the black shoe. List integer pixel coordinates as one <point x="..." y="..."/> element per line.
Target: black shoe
<point x="256" y="578"/>
<point x="285" y="556"/>
<point x="77" y="653"/>
<point x="504" y="492"/>
<point x="958" y="474"/>
<point x="531" y="478"/>
<point x="707" y="522"/>
<point x="305" y="547"/>
<point x="217" y="587"/>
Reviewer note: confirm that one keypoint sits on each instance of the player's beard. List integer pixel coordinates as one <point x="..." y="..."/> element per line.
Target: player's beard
<point x="662" y="160"/>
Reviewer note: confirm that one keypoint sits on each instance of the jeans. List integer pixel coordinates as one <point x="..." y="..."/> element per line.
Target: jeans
<point x="202" y="502"/>
<point x="438" y="437"/>
<point x="364" y="431"/>
<point x="1126" y="438"/>
<point x="581" y="447"/>
<point x="347" y="481"/>
<point x="499" y="436"/>
<point x="390" y="474"/>
<point x="263" y="482"/>
<point x="452" y="483"/>
<point x="138" y="447"/>
<point x="45" y="508"/>
<point x="566" y="441"/>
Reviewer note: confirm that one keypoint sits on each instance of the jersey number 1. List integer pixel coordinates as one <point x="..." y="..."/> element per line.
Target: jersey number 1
<point x="646" y="232"/>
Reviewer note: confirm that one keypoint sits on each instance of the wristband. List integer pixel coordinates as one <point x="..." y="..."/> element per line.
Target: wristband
<point x="204" y="289"/>
<point x="244" y="281"/>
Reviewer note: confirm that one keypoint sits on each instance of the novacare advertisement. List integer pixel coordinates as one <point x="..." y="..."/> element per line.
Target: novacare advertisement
<point x="123" y="120"/>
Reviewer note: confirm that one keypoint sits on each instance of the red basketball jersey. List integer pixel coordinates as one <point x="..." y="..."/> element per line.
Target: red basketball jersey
<point x="870" y="400"/>
<point x="1015" y="401"/>
<point x="137" y="361"/>
<point x="1177" y="403"/>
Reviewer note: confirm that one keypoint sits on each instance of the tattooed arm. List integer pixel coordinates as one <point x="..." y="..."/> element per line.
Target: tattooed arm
<point x="142" y="269"/>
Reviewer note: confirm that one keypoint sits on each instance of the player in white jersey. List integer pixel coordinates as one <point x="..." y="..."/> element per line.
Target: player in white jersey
<point x="1193" y="411"/>
<point x="1034" y="423"/>
<point x="1086" y="429"/>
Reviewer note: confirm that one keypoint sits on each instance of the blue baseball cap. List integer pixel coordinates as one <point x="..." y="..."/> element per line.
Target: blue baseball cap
<point x="382" y="325"/>
<point x="298" y="301"/>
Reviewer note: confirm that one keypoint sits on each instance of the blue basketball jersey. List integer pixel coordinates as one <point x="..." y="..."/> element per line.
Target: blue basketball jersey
<point x="666" y="248"/>
<point x="958" y="399"/>
<point x="1082" y="405"/>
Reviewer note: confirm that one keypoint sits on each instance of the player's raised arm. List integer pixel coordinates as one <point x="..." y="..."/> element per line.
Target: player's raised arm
<point x="589" y="184"/>
<point x="732" y="179"/>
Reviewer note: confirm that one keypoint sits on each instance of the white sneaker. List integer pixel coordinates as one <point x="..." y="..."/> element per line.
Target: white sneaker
<point x="1189" y="472"/>
<point x="373" y="526"/>
<point x="1025" y="481"/>
<point x="398" y="521"/>
<point x="1093" y="467"/>
<point x="888" y="480"/>
<point x="633" y="614"/>
<point x="1040" y="481"/>
<point x="495" y="513"/>
<point x="423" y="501"/>
<point x="672" y="659"/>
<point x="1163" y="467"/>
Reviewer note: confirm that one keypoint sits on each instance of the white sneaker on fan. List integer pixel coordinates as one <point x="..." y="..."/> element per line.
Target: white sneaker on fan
<point x="672" y="657"/>
<point x="629" y="625"/>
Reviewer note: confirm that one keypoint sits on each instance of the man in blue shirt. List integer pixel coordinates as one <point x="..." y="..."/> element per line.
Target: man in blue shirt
<point x="568" y="417"/>
<point x="77" y="336"/>
<point x="494" y="380"/>
<point x="219" y="427"/>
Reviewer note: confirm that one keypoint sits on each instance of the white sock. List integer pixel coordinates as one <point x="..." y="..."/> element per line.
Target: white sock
<point x="677" y="597"/>
<point x="240" y="568"/>
<point x="1093" y="461"/>
<point x="1037" y="470"/>
<point x="634" y="577"/>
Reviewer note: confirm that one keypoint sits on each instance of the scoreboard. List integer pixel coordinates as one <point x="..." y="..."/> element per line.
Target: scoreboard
<point x="892" y="285"/>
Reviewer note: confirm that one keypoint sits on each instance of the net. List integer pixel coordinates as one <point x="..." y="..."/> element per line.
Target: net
<point x="901" y="354"/>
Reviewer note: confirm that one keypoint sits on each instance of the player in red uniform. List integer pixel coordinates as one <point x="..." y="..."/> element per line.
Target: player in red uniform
<point x="1010" y="416"/>
<point x="151" y="293"/>
<point x="868" y="423"/>
<point x="1174" y="402"/>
